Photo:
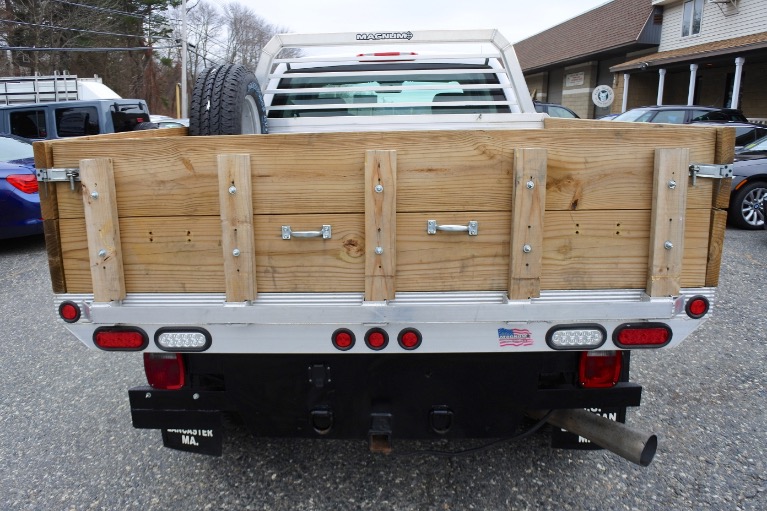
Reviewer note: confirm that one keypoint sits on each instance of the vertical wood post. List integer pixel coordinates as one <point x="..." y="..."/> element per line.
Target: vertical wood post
<point x="528" y="204"/>
<point x="380" y="224"/>
<point x="49" y="206"/>
<point x="669" y="200"/>
<point x="103" y="229"/>
<point x="237" y="237"/>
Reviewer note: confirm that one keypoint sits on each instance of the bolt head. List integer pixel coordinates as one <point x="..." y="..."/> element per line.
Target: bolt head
<point x="672" y="184"/>
<point x="232" y="190"/>
<point x="379" y="188"/>
<point x="527" y="249"/>
<point x="236" y="252"/>
<point x="94" y="194"/>
<point x="530" y="185"/>
<point x="668" y="245"/>
<point x="102" y="253"/>
<point x="379" y="250"/>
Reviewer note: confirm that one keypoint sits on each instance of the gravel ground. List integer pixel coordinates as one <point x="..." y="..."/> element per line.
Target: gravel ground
<point x="66" y="441"/>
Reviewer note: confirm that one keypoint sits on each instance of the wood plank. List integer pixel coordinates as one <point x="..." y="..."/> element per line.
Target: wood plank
<point x="103" y="229"/>
<point x="581" y="250"/>
<point x="380" y="224"/>
<point x="715" y="246"/>
<point x="526" y="247"/>
<point x="49" y="207"/>
<point x="235" y="192"/>
<point x="667" y="222"/>
<point x="596" y="169"/>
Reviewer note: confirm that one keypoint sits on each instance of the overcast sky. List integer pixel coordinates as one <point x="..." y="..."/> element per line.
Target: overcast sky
<point x="515" y="19"/>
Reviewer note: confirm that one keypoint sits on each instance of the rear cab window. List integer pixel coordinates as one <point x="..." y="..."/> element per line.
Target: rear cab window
<point x="77" y="121"/>
<point x="389" y="89"/>
<point x="29" y="123"/>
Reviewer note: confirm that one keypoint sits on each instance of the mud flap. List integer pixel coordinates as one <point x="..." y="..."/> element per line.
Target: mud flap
<point x="201" y="441"/>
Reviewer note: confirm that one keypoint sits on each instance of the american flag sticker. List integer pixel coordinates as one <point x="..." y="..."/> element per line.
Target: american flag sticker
<point x="514" y="337"/>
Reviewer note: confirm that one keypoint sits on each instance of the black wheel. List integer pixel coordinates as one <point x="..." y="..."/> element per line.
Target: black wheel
<point x="227" y="100"/>
<point x="746" y="208"/>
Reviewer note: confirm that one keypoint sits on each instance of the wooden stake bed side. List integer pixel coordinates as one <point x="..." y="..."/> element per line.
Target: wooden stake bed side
<point x="596" y="224"/>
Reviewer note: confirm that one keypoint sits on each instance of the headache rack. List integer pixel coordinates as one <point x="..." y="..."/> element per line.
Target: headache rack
<point x="431" y="72"/>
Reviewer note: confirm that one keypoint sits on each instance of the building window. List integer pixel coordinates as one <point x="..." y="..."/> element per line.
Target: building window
<point x="693" y="13"/>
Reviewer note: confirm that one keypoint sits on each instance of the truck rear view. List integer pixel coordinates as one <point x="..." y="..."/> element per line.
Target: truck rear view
<point x="399" y="248"/>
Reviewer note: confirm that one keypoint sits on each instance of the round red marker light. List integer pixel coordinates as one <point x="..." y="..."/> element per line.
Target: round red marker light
<point x="69" y="312"/>
<point x="376" y="339"/>
<point x="409" y="339"/>
<point x="343" y="339"/>
<point x="697" y="307"/>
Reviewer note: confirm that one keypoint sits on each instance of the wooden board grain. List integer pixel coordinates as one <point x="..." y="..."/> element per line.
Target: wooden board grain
<point x="380" y="225"/>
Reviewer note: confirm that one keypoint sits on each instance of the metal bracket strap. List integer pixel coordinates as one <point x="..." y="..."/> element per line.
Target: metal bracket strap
<point x="61" y="175"/>
<point x="710" y="170"/>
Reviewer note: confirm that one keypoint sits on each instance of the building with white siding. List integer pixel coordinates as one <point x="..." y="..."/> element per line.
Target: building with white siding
<point x="704" y="52"/>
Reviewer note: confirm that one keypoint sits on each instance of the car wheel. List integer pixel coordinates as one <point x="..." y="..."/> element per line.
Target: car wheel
<point x="746" y="209"/>
<point x="227" y="100"/>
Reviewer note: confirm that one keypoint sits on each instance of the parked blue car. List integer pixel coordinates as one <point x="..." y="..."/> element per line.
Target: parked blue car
<point x="19" y="198"/>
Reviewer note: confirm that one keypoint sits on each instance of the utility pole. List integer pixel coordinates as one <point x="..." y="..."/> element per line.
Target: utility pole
<point x="184" y="51"/>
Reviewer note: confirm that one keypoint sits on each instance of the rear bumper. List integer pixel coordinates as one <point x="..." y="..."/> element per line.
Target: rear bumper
<point x="480" y="396"/>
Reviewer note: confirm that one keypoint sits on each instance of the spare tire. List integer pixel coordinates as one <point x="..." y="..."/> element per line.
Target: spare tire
<point x="227" y="100"/>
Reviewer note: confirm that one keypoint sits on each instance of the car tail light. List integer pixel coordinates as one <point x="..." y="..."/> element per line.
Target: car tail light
<point x="697" y="307"/>
<point x="599" y="369"/>
<point x="642" y="335"/>
<point x="376" y="339"/>
<point x="69" y="311"/>
<point x="343" y="339"/>
<point x="27" y="183"/>
<point x="409" y="339"/>
<point x="164" y="370"/>
<point x="120" y="338"/>
<point x="182" y="339"/>
<point x="576" y="337"/>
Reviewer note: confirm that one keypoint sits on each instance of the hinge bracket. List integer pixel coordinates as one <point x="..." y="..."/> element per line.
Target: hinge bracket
<point x="710" y="170"/>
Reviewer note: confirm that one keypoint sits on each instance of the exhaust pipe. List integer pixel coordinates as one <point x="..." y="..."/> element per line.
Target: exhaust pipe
<point x="636" y="446"/>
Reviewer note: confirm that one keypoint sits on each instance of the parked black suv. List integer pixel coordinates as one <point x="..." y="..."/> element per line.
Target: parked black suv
<point x="680" y="114"/>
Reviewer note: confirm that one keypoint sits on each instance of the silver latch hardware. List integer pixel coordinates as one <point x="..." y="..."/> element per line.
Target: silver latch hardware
<point x="324" y="233"/>
<point x="710" y="170"/>
<point x="62" y="175"/>
<point x="472" y="228"/>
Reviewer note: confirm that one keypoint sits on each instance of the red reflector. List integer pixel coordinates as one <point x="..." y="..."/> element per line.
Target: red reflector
<point x="128" y="339"/>
<point x="599" y="369"/>
<point x="697" y="307"/>
<point x="27" y="183"/>
<point x="409" y="339"/>
<point x="69" y="312"/>
<point x="642" y="335"/>
<point x="164" y="370"/>
<point x="343" y="339"/>
<point x="376" y="339"/>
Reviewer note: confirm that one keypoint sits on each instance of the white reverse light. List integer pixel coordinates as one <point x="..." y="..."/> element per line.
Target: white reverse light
<point x="578" y="337"/>
<point x="182" y="340"/>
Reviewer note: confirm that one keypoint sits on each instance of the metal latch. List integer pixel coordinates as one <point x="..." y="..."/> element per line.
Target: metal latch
<point x="59" y="176"/>
<point x="710" y="170"/>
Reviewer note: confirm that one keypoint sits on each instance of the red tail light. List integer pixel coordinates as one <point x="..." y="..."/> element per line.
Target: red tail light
<point x="343" y="339"/>
<point x="409" y="339"/>
<point x="376" y="339"/>
<point x="642" y="335"/>
<point x="69" y="312"/>
<point x="697" y="307"/>
<point x="120" y="338"/>
<point x="164" y="371"/>
<point x="599" y="369"/>
<point x="27" y="183"/>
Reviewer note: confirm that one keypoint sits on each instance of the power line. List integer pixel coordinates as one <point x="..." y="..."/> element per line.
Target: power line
<point x="102" y="9"/>
<point x="52" y="27"/>
<point x="81" y="49"/>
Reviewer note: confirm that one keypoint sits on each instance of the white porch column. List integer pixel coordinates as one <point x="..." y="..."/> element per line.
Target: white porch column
<point x="736" y="84"/>
<point x="661" y="84"/>
<point x="626" y="77"/>
<point x="691" y="90"/>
